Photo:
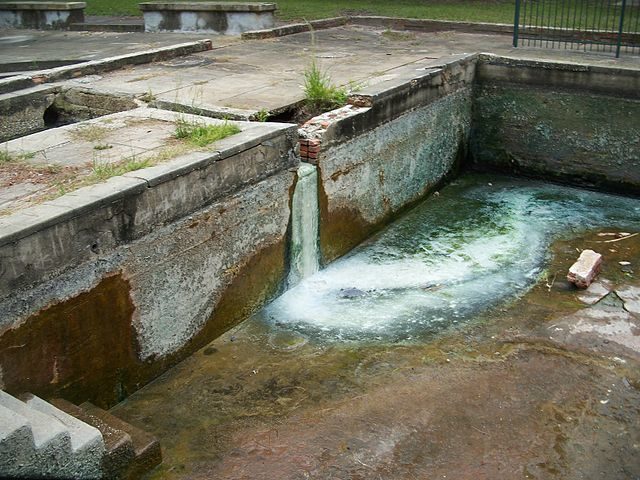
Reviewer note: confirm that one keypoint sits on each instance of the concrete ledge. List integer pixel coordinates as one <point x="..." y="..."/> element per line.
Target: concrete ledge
<point x="426" y="25"/>
<point x="268" y="136"/>
<point x="296" y="28"/>
<point x="104" y="65"/>
<point x="143" y="269"/>
<point x="208" y="6"/>
<point x="42" y="5"/>
<point x="568" y="122"/>
<point x="398" y="140"/>
<point x="41" y="15"/>
<point x="619" y="82"/>
<point x="224" y="18"/>
<point x="388" y="100"/>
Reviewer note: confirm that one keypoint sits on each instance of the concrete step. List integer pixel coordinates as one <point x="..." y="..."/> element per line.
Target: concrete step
<point x="17" y="449"/>
<point x="146" y="447"/>
<point x="119" y="450"/>
<point x="87" y="444"/>
<point x="51" y="440"/>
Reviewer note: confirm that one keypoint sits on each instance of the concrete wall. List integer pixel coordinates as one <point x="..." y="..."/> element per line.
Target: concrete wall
<point x="573" y="123"/>
<point x="103" y="289"/>
<point x="399" y="141"/>
<point x="219" y="18"/>
<point x="37" y="108"/>
<point x="41" y="15"/>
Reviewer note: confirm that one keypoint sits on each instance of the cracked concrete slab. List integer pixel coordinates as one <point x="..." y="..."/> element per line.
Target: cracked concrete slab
<point x="267" y="74"/>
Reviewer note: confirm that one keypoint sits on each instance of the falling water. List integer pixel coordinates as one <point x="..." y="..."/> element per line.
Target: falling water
<point x="304" y="226"/>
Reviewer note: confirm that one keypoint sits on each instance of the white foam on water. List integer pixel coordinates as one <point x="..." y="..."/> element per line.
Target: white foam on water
<point x="446" y="260"/>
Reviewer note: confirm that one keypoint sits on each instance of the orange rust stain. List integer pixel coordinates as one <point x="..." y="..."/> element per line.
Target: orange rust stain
<point x="341" y="229"/>
<point x="258" y="281"/>
<point x="78" y="349"/>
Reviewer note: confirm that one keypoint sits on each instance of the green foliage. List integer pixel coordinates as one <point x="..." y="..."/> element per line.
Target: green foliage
<point x="500" y="11"/>
<point x="148" y="97"/>
<point x="102" y="146"/>
<point x="320" y="91"/>
<point x="103" y="170"/>
<point x="203" y="134"/>
<point x="262" y="115"/>
<point x="493" y="11"/>
<point x="7" y="157"/>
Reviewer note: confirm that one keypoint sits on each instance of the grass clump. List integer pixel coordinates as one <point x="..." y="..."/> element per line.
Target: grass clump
<point x="102" y="170"/>
<point x="9" y="157"/>
<point x="319" y="90"/>
<point x="203" y="134"/>
<point x="262" y="115"/>
<point x="90" y="133"/>
<point x="396" y="36"/>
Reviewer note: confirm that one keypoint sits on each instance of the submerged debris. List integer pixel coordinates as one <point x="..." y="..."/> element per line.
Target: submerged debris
<point x="351" y="293"/>
<point x="582" y="273"/>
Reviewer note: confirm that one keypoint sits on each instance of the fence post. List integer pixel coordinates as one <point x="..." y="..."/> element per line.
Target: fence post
<point x="620" y="29"/>
<point x="516" y="24"/>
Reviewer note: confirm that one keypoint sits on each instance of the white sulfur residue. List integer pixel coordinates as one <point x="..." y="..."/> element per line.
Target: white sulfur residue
<point x="444" y="261"/>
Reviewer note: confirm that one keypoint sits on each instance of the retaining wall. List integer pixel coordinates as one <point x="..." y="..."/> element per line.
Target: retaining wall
<point x="37" y="108"/>
<point x="572" y="123"/>
<point x="103" y="289"/>
<point x="397" y="142"/>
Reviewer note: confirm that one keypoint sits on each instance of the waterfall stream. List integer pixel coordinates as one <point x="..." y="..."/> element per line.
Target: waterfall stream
<point x="304" y="252"/>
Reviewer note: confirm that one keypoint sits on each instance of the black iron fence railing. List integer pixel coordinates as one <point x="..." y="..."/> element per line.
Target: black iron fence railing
<point x="591" y="25"/>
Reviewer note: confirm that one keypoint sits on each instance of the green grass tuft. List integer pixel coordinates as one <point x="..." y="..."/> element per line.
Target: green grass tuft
<point x="320" y="91"/>
<point x="8" y="157"/>
<point x="105" y="170"/>
<point x="203" y="134"/>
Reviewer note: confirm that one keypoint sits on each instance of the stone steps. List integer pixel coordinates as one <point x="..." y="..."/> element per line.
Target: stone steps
<point x="58" y="440"/>
<point x="146" y="447"/>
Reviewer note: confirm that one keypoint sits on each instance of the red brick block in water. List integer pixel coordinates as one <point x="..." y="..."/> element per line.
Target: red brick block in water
<point x="585" y="269"/>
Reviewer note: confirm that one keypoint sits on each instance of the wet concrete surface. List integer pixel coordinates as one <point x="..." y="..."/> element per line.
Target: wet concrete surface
<point x="525" y="389"/>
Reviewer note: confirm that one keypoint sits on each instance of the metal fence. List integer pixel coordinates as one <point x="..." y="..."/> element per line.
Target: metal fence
<point x="591" y="25"/>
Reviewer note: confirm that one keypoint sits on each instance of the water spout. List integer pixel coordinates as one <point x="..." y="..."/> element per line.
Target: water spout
<point x="304" y="252"/>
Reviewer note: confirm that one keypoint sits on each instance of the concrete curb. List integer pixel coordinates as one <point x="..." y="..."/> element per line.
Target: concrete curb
<point x="13" y="84"/>
<point x="85" y="200"/>
<point x="295" y="28"/>
<point x="399" y="23"/>
<point x="427" y="25"/>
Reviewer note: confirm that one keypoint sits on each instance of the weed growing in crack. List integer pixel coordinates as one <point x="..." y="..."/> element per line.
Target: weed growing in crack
<point x="203" y="134"/>
<point x="319" y="89"/>
<point x="103" y="170"/>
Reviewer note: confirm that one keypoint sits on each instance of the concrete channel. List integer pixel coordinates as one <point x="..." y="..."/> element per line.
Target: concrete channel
<point x="106" y="287"/>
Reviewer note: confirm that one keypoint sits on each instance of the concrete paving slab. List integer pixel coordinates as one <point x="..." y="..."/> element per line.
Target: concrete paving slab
<point x="52" y="163"/>
<point x="35" y="46"/>
<point x="268" y="74"/>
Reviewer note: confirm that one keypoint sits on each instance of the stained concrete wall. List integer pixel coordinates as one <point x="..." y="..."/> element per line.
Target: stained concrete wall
<point x="41" y="15"/>
<point x="399" y="141"/>
<point x="573" y="123"/>
<point x="44" y="106"/>
<point x="219" y="18"/>
<point x="103" y="289"/>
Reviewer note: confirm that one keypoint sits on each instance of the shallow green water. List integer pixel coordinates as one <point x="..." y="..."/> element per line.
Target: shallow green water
<point x="481" y="241"/>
